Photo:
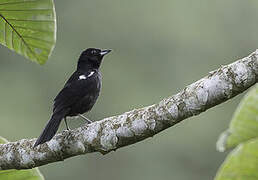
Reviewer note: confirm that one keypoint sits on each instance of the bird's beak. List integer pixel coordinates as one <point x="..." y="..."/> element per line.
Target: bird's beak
<point x="105" y="51"/>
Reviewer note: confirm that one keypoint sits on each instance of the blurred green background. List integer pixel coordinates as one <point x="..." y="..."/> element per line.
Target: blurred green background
<point x="159" y="48"/>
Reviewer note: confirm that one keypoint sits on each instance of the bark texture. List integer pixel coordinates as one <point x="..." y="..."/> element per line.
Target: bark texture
<point x="136" y="125"/>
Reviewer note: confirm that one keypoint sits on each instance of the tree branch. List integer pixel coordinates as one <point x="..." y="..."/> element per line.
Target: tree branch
<point x="133" y="126"/>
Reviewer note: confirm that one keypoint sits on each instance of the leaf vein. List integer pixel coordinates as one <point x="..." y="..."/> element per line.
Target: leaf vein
<point x="30" y="20"/>
<point x="30" y="37"/>
<point x="25" y="10"/>
<point x="26" y="28"/>
<point x="12" y="40"/>
<point x="18" y="2"/>
<point x="5" y="33"/>
<point x="7" y="22"/>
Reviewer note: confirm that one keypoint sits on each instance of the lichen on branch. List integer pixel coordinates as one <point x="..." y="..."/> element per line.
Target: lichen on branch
<point x="136" y="125"/>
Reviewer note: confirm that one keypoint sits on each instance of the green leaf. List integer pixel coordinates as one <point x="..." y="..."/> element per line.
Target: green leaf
<point x="244" y="124"/>
<point x="28" y="27"/>
<point x="241" y="163"/>
<point x="31" y="174"/>
<point x="3" y="140"/>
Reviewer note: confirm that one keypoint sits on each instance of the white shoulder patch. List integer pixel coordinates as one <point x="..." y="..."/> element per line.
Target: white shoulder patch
<point x="91" y="73"/>
<point x="82" y="77"/>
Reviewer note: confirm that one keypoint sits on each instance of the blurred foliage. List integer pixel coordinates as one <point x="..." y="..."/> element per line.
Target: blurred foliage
<point x="159" y="48"/>
<point x="28" y="27"/>
<point x="242" y="162"/>
<point x="31" y="174"/>
<point x="244" y="124"/>
<point x="3" y="140"/>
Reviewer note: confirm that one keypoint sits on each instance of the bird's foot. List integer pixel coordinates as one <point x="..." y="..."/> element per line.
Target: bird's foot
<point x="86" y="119"/>
<point x="67" y="127"/>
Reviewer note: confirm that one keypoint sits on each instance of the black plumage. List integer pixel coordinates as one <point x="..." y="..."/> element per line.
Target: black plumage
<point x="79" y="93"/>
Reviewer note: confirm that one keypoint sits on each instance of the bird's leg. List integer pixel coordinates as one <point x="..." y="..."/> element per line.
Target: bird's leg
<point x="86" y="119"/>
<point x="68" y="129"/>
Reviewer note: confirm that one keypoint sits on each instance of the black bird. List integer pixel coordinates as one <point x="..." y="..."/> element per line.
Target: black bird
<point x="79" y="93"/>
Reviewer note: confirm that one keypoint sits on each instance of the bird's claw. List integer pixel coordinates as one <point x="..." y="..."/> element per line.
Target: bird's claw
<point x="86" y="119"/>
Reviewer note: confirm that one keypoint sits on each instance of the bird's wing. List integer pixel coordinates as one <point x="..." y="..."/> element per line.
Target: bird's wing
<point x="78" y="86"/>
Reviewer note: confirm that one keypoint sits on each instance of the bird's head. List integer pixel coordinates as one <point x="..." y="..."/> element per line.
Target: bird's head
<point x="92" y="57"/>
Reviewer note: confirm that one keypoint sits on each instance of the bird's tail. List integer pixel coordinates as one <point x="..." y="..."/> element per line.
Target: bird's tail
<point x="51" y="128"/>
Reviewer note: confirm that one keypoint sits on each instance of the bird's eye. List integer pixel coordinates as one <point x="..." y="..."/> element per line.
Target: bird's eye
<point x="93" y="52"/>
